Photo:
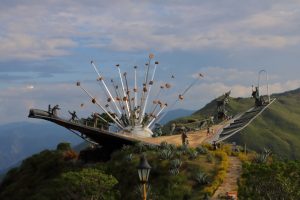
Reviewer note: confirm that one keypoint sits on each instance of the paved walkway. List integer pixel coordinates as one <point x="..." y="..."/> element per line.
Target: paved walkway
<point x="230" y="182"/>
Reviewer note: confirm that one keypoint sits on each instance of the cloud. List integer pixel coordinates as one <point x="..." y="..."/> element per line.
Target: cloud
<point x="39" y="30"/>
<point x="203" y="93"/>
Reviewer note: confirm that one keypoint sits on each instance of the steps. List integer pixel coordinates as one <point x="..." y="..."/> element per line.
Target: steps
<point x="241" y="122"/>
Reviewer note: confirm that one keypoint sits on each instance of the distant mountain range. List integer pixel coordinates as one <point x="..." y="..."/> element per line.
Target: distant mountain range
<point x="278" y="128"/>
<point x="22" y="139"/>
<point x="173" y="114"/>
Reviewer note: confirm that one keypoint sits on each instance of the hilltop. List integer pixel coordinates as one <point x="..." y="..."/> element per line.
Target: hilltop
<point x="278" y="128"/>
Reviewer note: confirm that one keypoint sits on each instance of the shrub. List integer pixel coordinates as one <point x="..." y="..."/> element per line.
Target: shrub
<point x="174" y="172"/>
<point x="263" y="157"/>
<point x="209" y="158"/>
<point x="64" y="146"/>
<point x="183" y="148"/>
<point x="177" y="154"/>
<point x="201" y="149"/>
<point x="70" y="155"/>
<point x="152" y="147"/>
<point x="219" y="178"/>
<point x="87" y="184"/>
<point x="201" y="178"/>
<point x="129" y="157"/>
<point x="193" y="154"/>
<point x="164" y="145"/>
<point x="125" y="148"/>
<point x="165" y="154"/>
<point x="140" y="147"/>
<point x="175" y="166"/>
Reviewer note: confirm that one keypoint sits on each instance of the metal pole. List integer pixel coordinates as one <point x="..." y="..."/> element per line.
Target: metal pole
<point x="128" y="97"/>
<point x="268" y="88"/>
<point x="116" y="87"/>
<point x="102" y="108"/>
<point x="184" y="92"/>
<point x="135" y="87"/>
<point x="267" y="79"/>
<point x="150" y="86"/>
<point x="119" y="70"/>
<point x="157" y="115"/>
<point x="145" y="86"/>
<point x="145" y="192"/>
<point x="103" y="82"/>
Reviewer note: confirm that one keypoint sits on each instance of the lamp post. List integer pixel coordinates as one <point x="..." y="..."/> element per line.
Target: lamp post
<point x="144" y="171"/>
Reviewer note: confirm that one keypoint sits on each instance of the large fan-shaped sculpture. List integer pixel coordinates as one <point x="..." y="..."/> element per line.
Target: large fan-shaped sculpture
<point x="131" y="108"/>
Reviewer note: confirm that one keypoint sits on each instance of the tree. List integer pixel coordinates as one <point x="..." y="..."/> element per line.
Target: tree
<point x="89" y="184"/>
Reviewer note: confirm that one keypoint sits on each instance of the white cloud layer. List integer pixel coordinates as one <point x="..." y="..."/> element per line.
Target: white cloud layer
<point x="38" y="29"/>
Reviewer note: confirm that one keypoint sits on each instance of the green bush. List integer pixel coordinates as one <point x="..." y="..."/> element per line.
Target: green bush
<point x="64" y="146"/>
<point x="87" y="184"/>
<point x="201" y="178"/>
<point x="201" y="149"/>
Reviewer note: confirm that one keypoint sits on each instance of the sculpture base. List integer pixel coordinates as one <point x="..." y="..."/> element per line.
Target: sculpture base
<point x="138" y="131"/>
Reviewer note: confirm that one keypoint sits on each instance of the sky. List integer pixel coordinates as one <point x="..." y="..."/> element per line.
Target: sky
<point x="47" y="46"/>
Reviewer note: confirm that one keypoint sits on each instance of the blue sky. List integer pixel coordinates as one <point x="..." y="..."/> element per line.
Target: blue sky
<point x="46" y="46"/>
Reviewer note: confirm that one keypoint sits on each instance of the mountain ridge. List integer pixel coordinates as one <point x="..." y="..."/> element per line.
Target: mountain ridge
<point x="277" y="128"/>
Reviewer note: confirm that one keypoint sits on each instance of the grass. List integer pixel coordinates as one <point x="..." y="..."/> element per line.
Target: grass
<point x="278" y="128"/>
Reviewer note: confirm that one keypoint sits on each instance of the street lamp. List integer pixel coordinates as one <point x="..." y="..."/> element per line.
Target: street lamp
<point x="144" y="171"/>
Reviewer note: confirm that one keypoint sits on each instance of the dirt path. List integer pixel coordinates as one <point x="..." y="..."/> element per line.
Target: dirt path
<point x="230" y="182"/>
<point x="195" y="138"/>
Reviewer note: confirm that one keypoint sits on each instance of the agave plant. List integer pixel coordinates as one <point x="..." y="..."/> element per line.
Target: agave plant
<point x="125" y="148"/>
<point x="164" y="145"/>
<point x="175" y="166"/>
<point x="184" y="149"/>
<point x="201" y="150"/>
<point x="166" y="154"/>
<point x="263" y="157"/>
<point x="152" y="147"/>
<point x="201" y="178"/>
<point x="174" y="172"/>
<point x="209" y="158"/>
<point x="129" y="157"/>
<point x="176" y="163"/>
<point x="193" y="154"/>
<point x="140" y="147"/>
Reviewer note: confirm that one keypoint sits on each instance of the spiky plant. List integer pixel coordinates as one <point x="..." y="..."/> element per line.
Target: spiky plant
<point x="193" y="154"/>
<point x="209" y="158"/>
<point x="165" y="154"/>
<point x="129" y="157"/>
<point x="201" y="150"/>
<point x="201" y="178"/>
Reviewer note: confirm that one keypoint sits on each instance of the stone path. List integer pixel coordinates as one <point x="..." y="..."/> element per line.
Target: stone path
<point x="230" y="182"/>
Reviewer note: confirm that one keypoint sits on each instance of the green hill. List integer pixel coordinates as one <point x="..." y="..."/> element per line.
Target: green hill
<point x="278" y="128"/>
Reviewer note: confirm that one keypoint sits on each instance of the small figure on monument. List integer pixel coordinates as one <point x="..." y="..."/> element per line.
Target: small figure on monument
<point x="157" y="130"/>
<point x="255" y="95"/>
<point x="54" y="110"/>
<point x="208" y="131"/>
<point x="215" y="146"/>
<point x="95" y="119"/>
<point x="173" y="127"/>
<point x="184" y="137"/>
<point x="123" y="119"/>
<point x="145" y="120"/>
<point x="73" y="115"/>
<point x="49" y="108"/>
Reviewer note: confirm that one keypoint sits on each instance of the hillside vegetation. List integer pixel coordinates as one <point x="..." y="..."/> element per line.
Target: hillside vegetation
<point x="177" y="173"/>
<point x="278" y="128"/>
